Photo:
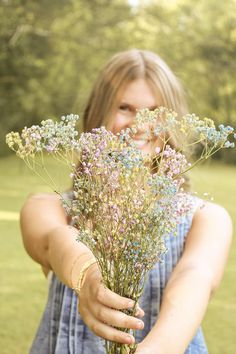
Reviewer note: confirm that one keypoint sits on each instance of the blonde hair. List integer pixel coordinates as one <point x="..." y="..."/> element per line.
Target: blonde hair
<point x="120" y="70"/>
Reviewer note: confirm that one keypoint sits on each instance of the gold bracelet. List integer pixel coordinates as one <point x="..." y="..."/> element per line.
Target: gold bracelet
<point x="82" y="274"/>
<point x="73" y="266"/>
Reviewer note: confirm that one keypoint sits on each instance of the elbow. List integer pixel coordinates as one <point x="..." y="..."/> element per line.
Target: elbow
<point x="40" y="216"/>
<point x="33" y="229"/>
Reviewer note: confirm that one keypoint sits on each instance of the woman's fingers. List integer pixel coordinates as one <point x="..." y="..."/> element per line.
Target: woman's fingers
<point x="115" y="301"/>
<point x="100" y="309"/>
<point x="139" y="312"/>
<point x="106" y="296"/>
<point x="116" y="318"/>
<point x="109" y="333"/>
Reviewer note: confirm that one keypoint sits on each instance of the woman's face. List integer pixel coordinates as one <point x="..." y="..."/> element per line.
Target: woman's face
<point x="136" y="95"/>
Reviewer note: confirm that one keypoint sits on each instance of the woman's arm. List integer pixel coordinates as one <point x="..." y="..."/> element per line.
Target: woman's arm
<point x="50" y="241"/>
<point x="48" y="238"/>
<point x="192" y="283"/>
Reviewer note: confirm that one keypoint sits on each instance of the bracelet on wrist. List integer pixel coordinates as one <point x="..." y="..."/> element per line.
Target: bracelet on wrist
<point x="82" y="273"/>
<point x="72" y="276"/>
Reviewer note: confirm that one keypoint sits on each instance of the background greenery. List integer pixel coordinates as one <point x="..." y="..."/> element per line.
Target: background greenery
<point x="51" y="51"/>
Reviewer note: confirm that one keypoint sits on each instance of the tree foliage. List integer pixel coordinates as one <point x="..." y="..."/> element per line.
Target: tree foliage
<point x="198" y="40"/>
<point x="51" y="52"/>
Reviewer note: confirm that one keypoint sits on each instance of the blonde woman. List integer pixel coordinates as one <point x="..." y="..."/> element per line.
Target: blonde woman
<point x="177" y="292"/>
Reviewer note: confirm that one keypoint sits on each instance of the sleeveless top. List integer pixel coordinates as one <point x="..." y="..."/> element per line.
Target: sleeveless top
<point x="62" y="330"/>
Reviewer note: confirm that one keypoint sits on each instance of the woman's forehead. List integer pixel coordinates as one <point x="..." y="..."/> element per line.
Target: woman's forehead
<point x="139" y="93"/>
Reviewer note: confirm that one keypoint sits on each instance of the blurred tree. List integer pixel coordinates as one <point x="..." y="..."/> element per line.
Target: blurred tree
<point x="82" y="41"/>
<point x="51" y="52"/>
<point x="25" y="49"/>
<point x="198" y="40"/>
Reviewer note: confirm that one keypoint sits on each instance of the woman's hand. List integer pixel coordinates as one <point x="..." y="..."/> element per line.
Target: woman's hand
<point x="100" y="309"/>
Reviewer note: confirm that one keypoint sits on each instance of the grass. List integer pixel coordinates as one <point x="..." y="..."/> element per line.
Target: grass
<point x="23" y="288"/>
<point x="220" y="321"/>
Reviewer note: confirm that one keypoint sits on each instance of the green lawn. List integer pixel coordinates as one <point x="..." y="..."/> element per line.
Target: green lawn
<point x="23" y="288"/>
<point x="220" y="320"/>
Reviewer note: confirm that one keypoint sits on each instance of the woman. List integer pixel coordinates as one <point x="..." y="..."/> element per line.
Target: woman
<point x="177" y="292"/>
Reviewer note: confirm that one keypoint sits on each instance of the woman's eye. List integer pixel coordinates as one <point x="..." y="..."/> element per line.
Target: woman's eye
<point x="124" y="108"/>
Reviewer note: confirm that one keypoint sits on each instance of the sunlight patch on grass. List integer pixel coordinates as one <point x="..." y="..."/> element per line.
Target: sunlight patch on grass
<point x="9" y="215"/>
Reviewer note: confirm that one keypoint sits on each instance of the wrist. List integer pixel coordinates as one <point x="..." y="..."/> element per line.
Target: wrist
<point x="82" y="275"/>
<point x="66" y="255"/>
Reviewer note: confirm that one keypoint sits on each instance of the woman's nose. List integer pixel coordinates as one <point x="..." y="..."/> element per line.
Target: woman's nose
<point x="129" y="121"/>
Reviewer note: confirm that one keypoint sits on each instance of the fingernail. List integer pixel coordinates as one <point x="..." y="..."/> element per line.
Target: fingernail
<point x="130" y="304"/>
<point x="139" y="312"/>
<point x="130" y="339"/>
<point x="140" y="325"/>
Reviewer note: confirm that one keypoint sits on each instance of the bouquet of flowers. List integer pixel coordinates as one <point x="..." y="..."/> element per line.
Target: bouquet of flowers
<point x="124" y="202"/>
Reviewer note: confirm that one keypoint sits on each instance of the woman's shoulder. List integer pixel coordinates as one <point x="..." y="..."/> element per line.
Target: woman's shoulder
<point x="43" y="195"/>
<point x="41" y="204"/>
<point x="211" y="230"/>
<point x="211" y="211"/>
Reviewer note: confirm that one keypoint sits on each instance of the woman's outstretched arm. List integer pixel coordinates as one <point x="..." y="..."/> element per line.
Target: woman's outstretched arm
<point x="193" y="282"/>
<point x="50" y="241"/>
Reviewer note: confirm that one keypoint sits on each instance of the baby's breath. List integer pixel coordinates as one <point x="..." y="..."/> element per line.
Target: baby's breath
<point x="122" y="209"/>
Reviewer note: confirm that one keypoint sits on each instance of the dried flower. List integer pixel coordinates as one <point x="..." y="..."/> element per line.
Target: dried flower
<point x="121" y="207"/>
